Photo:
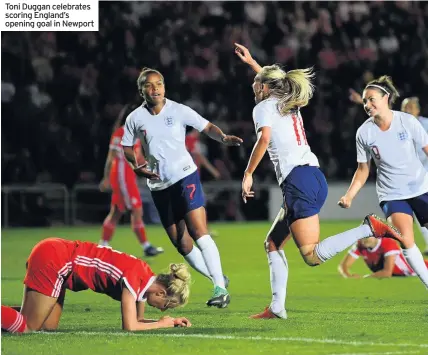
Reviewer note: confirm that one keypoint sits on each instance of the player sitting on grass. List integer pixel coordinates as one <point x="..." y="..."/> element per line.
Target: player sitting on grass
<point x="382" y="256"/>
<point x="55" y="265"/>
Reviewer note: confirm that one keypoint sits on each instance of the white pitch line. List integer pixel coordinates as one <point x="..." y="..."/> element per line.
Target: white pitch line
<point x="387" y="353"/>
<point x="233" y="337"/>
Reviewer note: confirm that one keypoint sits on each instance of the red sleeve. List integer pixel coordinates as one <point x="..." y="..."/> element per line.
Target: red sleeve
<point x="138" y="279"/>
<point x="115" y="140"/>
<point x="355" y="251"/>
<point x="390" y="247"/>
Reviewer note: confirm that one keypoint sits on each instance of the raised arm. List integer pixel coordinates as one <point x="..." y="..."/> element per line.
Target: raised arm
<point x="244" y="54"/>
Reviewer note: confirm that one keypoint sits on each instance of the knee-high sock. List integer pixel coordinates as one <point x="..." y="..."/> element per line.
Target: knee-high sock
<point x="278" y="267"/>
<point x="197" y="261"/>
<point x="415" y="259"/>
<point x="333" y="245"/>
<point x="212" y="259"/>
<point x="12" y="321"/>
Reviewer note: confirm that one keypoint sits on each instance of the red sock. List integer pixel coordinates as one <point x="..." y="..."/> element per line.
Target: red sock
<point x="12" y="321"/>
<point x="140" y="232"/>
<point x="108" y="230"/>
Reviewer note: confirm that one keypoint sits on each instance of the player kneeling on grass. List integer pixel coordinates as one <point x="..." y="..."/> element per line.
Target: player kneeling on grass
<point x="382" y="256"/>
<point x="55" y="265"/>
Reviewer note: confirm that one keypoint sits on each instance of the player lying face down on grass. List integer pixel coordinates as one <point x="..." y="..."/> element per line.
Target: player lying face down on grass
<point x="279" y="95"/>
<point x="382" y="256"/>
<point x="56" y="265"/>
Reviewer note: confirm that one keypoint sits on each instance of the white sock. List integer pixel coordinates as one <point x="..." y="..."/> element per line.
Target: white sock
<point x="424" y="232"/>
<point x="333" y="245"/>
<point x="145" y="245"/>
<point x="196" y="261"/>
<point x="103" y="243"/>
<point x="416" y="261"/>
<point x="278" y="267"/>
<point x="212" y="259"/>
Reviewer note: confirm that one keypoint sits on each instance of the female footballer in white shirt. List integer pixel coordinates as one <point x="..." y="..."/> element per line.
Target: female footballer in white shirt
<point x="173" y="180"/>
<point x="279" y="128"/>
<point x="392" y="139"/>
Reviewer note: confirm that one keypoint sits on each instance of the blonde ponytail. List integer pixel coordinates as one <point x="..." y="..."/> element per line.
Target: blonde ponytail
<point x="177" y="284"/>
<point x="293" y="89"/>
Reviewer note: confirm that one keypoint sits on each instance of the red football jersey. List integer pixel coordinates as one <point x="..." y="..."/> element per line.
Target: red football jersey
<point x="119" y="162"/>
<point x="375" y="257"/>
<point x="193" y="146"/>
<point x="105" y="270"/>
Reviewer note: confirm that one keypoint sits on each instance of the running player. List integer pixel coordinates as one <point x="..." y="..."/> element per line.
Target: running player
<point x="392" y="139"/>
<point x="279" y="95"/>
<point x="382" y="256"/>
<point x="56" y="265"/>
<point x="172" y="175"/>
<point x="119" y="177"/>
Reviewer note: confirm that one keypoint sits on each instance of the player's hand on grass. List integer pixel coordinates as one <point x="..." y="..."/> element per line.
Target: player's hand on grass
<point x="345" y="202"/>
<point x="104" y="185"/>
<point x="167" y="322"/>
<point x="143" y="172"/>
<point x="247" y="183"/>
<point x="231" y="140"/>
<point x="182" y="322"/>
<point x="355" y="276"/>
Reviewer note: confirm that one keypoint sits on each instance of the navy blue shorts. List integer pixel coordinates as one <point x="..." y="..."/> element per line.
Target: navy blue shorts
<point x="417" y="205"/>
<point x="304" y="191"/>
<point x="174" y="202"/>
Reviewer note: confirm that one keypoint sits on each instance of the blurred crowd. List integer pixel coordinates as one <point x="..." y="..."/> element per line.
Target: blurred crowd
<point x="62" y="91"/>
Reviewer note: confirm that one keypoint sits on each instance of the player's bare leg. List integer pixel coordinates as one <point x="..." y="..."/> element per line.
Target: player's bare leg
<point x="306" y="233"/>
<point x="404" y="223"/>
<point x="109" y="225"/>
<point x="198" y="230"/>
<point x="140" y="231"/>
<point x="179" y="238"/>
<point x="52" y="322"/>
<point x="36" y="308"/>
<point x="276" y="238"/>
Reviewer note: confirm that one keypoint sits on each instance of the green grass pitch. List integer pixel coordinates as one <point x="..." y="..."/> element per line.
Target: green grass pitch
<point x="326" y="313"/>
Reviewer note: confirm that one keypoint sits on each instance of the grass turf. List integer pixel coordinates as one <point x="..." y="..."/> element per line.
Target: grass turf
<point x="327" y="314"/>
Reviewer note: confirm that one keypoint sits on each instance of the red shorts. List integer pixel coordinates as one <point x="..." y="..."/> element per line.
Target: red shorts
<point x="49" y="265"/>
<point x="125" y="192"/>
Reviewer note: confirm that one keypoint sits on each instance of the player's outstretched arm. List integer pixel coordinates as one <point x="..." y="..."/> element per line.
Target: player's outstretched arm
<point x="214" y="132"/>
<point x="360" y="177"/>
<point x="244" y="54"/>
<point x="344" y="267"/>
<point x="131" y="323"/>
<point x="259" y="150"/>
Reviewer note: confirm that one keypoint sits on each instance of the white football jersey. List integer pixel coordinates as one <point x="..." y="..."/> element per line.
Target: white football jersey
<point x="288" y="146"/>
<point x="422" y="156"/>
<point x="163" y="139"/>
<point x="400" y="173"/>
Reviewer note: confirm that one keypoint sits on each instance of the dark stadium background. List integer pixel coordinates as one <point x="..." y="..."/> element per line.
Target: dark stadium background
<point x="62" y="91"/>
